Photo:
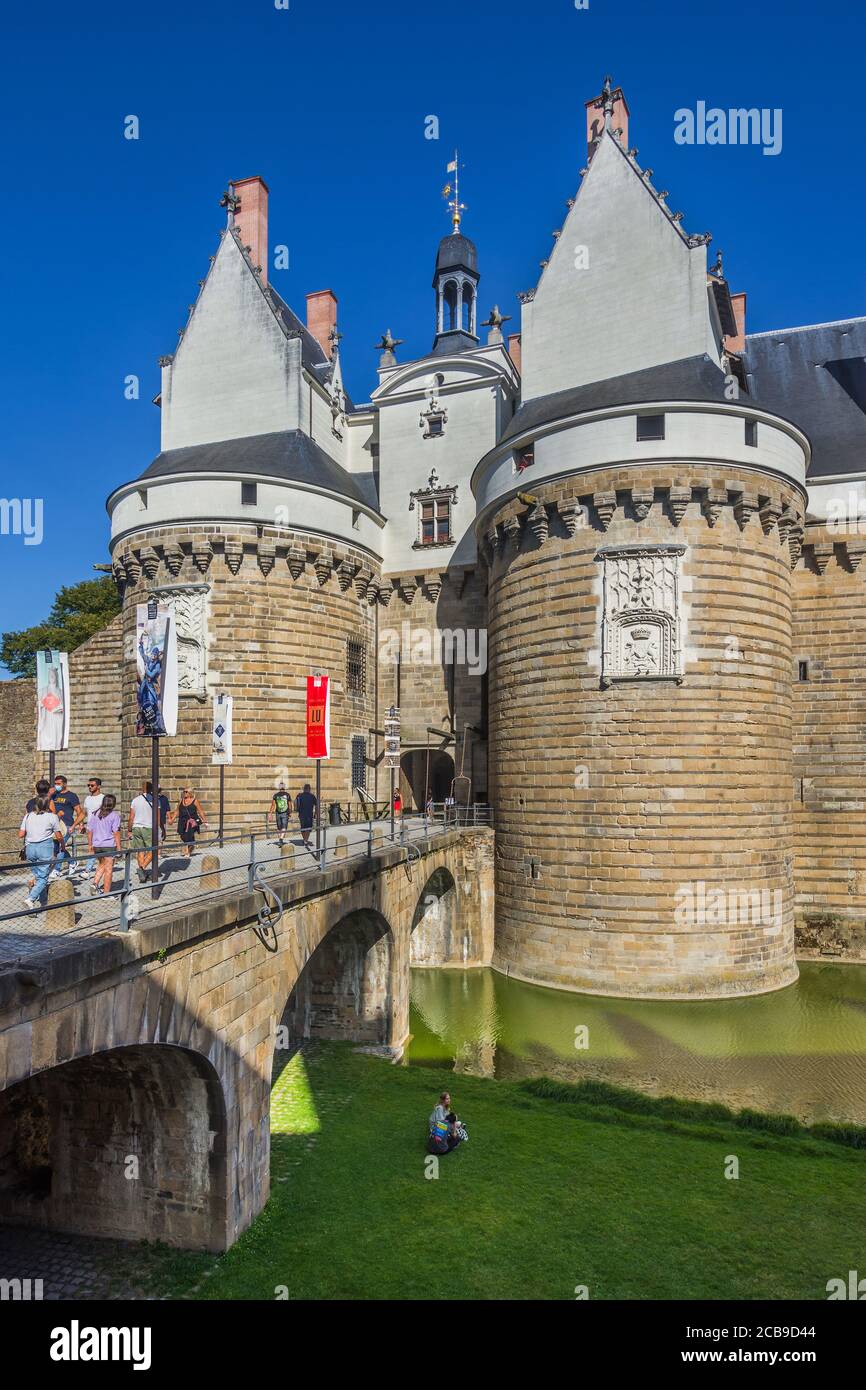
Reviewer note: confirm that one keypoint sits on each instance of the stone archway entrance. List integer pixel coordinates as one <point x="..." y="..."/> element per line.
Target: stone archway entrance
<point x="127" y="1143"/>
<point x="416" y="780"/>
<point x="344" y="990"/>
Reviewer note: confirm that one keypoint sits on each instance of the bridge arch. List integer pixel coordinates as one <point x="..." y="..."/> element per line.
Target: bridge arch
<point x="345" y="989"/>
<point x="129" y="1142"/>
<point x="436" y="935"/>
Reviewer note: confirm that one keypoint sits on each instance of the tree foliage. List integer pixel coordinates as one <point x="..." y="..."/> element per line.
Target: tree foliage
<point x="78" y="611"/>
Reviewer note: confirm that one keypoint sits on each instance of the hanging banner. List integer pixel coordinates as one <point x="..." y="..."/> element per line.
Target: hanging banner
<point x="318" y="717"/>
<point x="392" y="737"/>
<point x="222" y="730"/>
<point x="156" y="664"/>
<point x="52" y="701"/>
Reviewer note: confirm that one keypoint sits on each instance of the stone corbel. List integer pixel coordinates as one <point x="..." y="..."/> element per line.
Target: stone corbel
<point x="855" y="549"/>
<point x="202" y="554"/>
<point x="744" y="508"/>
<point x="149" y="562"/>
<point x="346" y="571"/>
<point x="433" y="585"/>
<point x="795" y="544"/>
<point x="173" y="556"/>
<point x="323" y="565"/>
<point x="385" y="590"/>
<point x="641" y="500"/>
<point x="233" y="554"/>
<point x="605" y="506"/>
<point x="408" y="589"/>
<point x="713" y="503"/>
<point x="822" y="552"/>
<point x="510" y="531"/>
<point x="679" y="497"/>
<point x="362" y="582"/>
<point x="538" y="522"/>
<point x="769" y="513"/>
<point x="786" y="521"/>
<point x="266" y="554"/>
<point x="571" y="514"/>
<point x="131" y="565"/>
<point x="296" y="560"/>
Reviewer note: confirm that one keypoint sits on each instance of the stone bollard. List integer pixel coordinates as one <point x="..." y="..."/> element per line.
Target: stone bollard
<point x="287" y="855"/>
<point x="62" y="890"/>
<point x="380" y="834"/>
<point x="210" y="873"/>
<point x="341" y="847"/>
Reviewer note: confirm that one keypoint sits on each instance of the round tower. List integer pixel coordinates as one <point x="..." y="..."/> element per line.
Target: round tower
<point x="640" y="539"/>
<point x="257" y="607"/>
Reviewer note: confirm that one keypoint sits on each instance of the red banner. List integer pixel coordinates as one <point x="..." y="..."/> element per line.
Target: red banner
<point x="318" y="717"/>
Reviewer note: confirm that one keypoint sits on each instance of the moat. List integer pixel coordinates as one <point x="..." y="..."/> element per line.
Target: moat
<point x="801" y="1050"/>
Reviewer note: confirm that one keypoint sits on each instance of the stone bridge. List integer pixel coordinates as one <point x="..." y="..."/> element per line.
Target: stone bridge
<point x="135" y="1072"/>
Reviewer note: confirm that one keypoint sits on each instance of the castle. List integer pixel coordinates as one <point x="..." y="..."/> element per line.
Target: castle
<point x="655" y="520"/>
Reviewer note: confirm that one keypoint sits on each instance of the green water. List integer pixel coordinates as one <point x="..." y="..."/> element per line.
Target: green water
<point x="801" y="1050"/>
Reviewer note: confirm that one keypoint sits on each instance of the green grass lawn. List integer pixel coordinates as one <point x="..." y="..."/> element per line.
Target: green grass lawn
<point x="544" y="1197"/>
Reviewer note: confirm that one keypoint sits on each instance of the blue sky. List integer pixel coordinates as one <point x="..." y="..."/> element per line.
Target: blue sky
<point x="106" y="239"/>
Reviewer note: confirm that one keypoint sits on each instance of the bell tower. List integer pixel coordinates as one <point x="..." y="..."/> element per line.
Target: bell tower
<point x="455" y="279"/>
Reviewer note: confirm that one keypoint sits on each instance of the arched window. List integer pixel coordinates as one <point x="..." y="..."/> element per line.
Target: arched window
<point x="449" y="297"/>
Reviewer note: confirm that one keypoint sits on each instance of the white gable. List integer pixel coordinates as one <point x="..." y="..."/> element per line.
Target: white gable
<point x="235" y="373"/>
<point x="622" y="289"/>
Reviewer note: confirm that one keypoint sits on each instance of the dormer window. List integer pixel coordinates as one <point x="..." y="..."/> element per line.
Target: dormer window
<point x="435" y="503"/>
<point x="434" y="417"/>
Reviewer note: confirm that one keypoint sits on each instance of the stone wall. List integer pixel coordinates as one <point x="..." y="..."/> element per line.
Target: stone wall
<point x="94" y="730"/>
<point x="830" y="738"/>
<point x="252" y="627"/>
<point x="431" y="617"/>
<point x="617" y="807"/>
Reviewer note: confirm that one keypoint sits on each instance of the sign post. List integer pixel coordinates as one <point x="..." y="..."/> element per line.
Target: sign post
<point x="392" y="751"/>
<point x="318" y="738"/>
<point x="222" y="748"/>
<point x="156" y="698"/>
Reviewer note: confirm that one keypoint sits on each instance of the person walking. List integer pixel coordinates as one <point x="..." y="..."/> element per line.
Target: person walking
<point x="280" y="804"/>
<point x="68" y="807"/>
<point x="92" y="803"/>
<point x="140" y="828"/>
<point x="103" y="841"/>
<point x="305" y="806"/>
<point x="165" y="814"/>
<point x="40" y="830"/>
<point x="190" y="819"/>
<point x="43" y="788"/>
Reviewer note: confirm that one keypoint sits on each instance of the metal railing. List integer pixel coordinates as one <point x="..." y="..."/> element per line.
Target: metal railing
<point x="241" y="862"/>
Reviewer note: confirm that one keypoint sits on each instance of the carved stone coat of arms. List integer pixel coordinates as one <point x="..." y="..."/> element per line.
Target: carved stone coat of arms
<point x="641" y="621"/>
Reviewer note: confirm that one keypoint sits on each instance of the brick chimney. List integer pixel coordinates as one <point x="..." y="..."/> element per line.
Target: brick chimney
<point x="737" y="342"/>
<point x="514" y="349"/>
<point x="322" y="318"/>
<point x="595" y="119"/>
<point x="251" y="219"/>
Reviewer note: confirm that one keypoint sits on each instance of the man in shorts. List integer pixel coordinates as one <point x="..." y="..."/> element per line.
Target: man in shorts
<point x="141" y="828"/>
<point x="280" y="803"/>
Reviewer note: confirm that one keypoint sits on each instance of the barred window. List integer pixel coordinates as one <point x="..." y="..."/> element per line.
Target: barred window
<point x="356" y="666"/>
<point x="359" y="762"/>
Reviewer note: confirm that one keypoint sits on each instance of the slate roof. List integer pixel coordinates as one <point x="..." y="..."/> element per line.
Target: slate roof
<point x="287" y="454"/>
<point x="816" y="376"/>
<point x="689" y="379"/>
<point x="457" y="251"/>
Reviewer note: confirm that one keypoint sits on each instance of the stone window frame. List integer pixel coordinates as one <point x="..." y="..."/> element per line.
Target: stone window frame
<point x="434" y="496"/>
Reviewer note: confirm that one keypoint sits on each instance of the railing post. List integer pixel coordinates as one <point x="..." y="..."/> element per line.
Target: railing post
<point x="124" y="896"/>
<point x="324" y="850"/>
<point x="369" y="837"/>
<point x="251" y="867"/>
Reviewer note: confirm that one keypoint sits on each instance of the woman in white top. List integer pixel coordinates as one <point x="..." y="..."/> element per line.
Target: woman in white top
<point x="39" y="829"/>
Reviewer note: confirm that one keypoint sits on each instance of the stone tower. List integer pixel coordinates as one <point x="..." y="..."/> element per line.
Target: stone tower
<point x="641" y="516"/>
<point x="259" y="530"/>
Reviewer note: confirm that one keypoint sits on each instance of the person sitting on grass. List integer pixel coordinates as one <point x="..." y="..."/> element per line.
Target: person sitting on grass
<point x="445" y="1130"/>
